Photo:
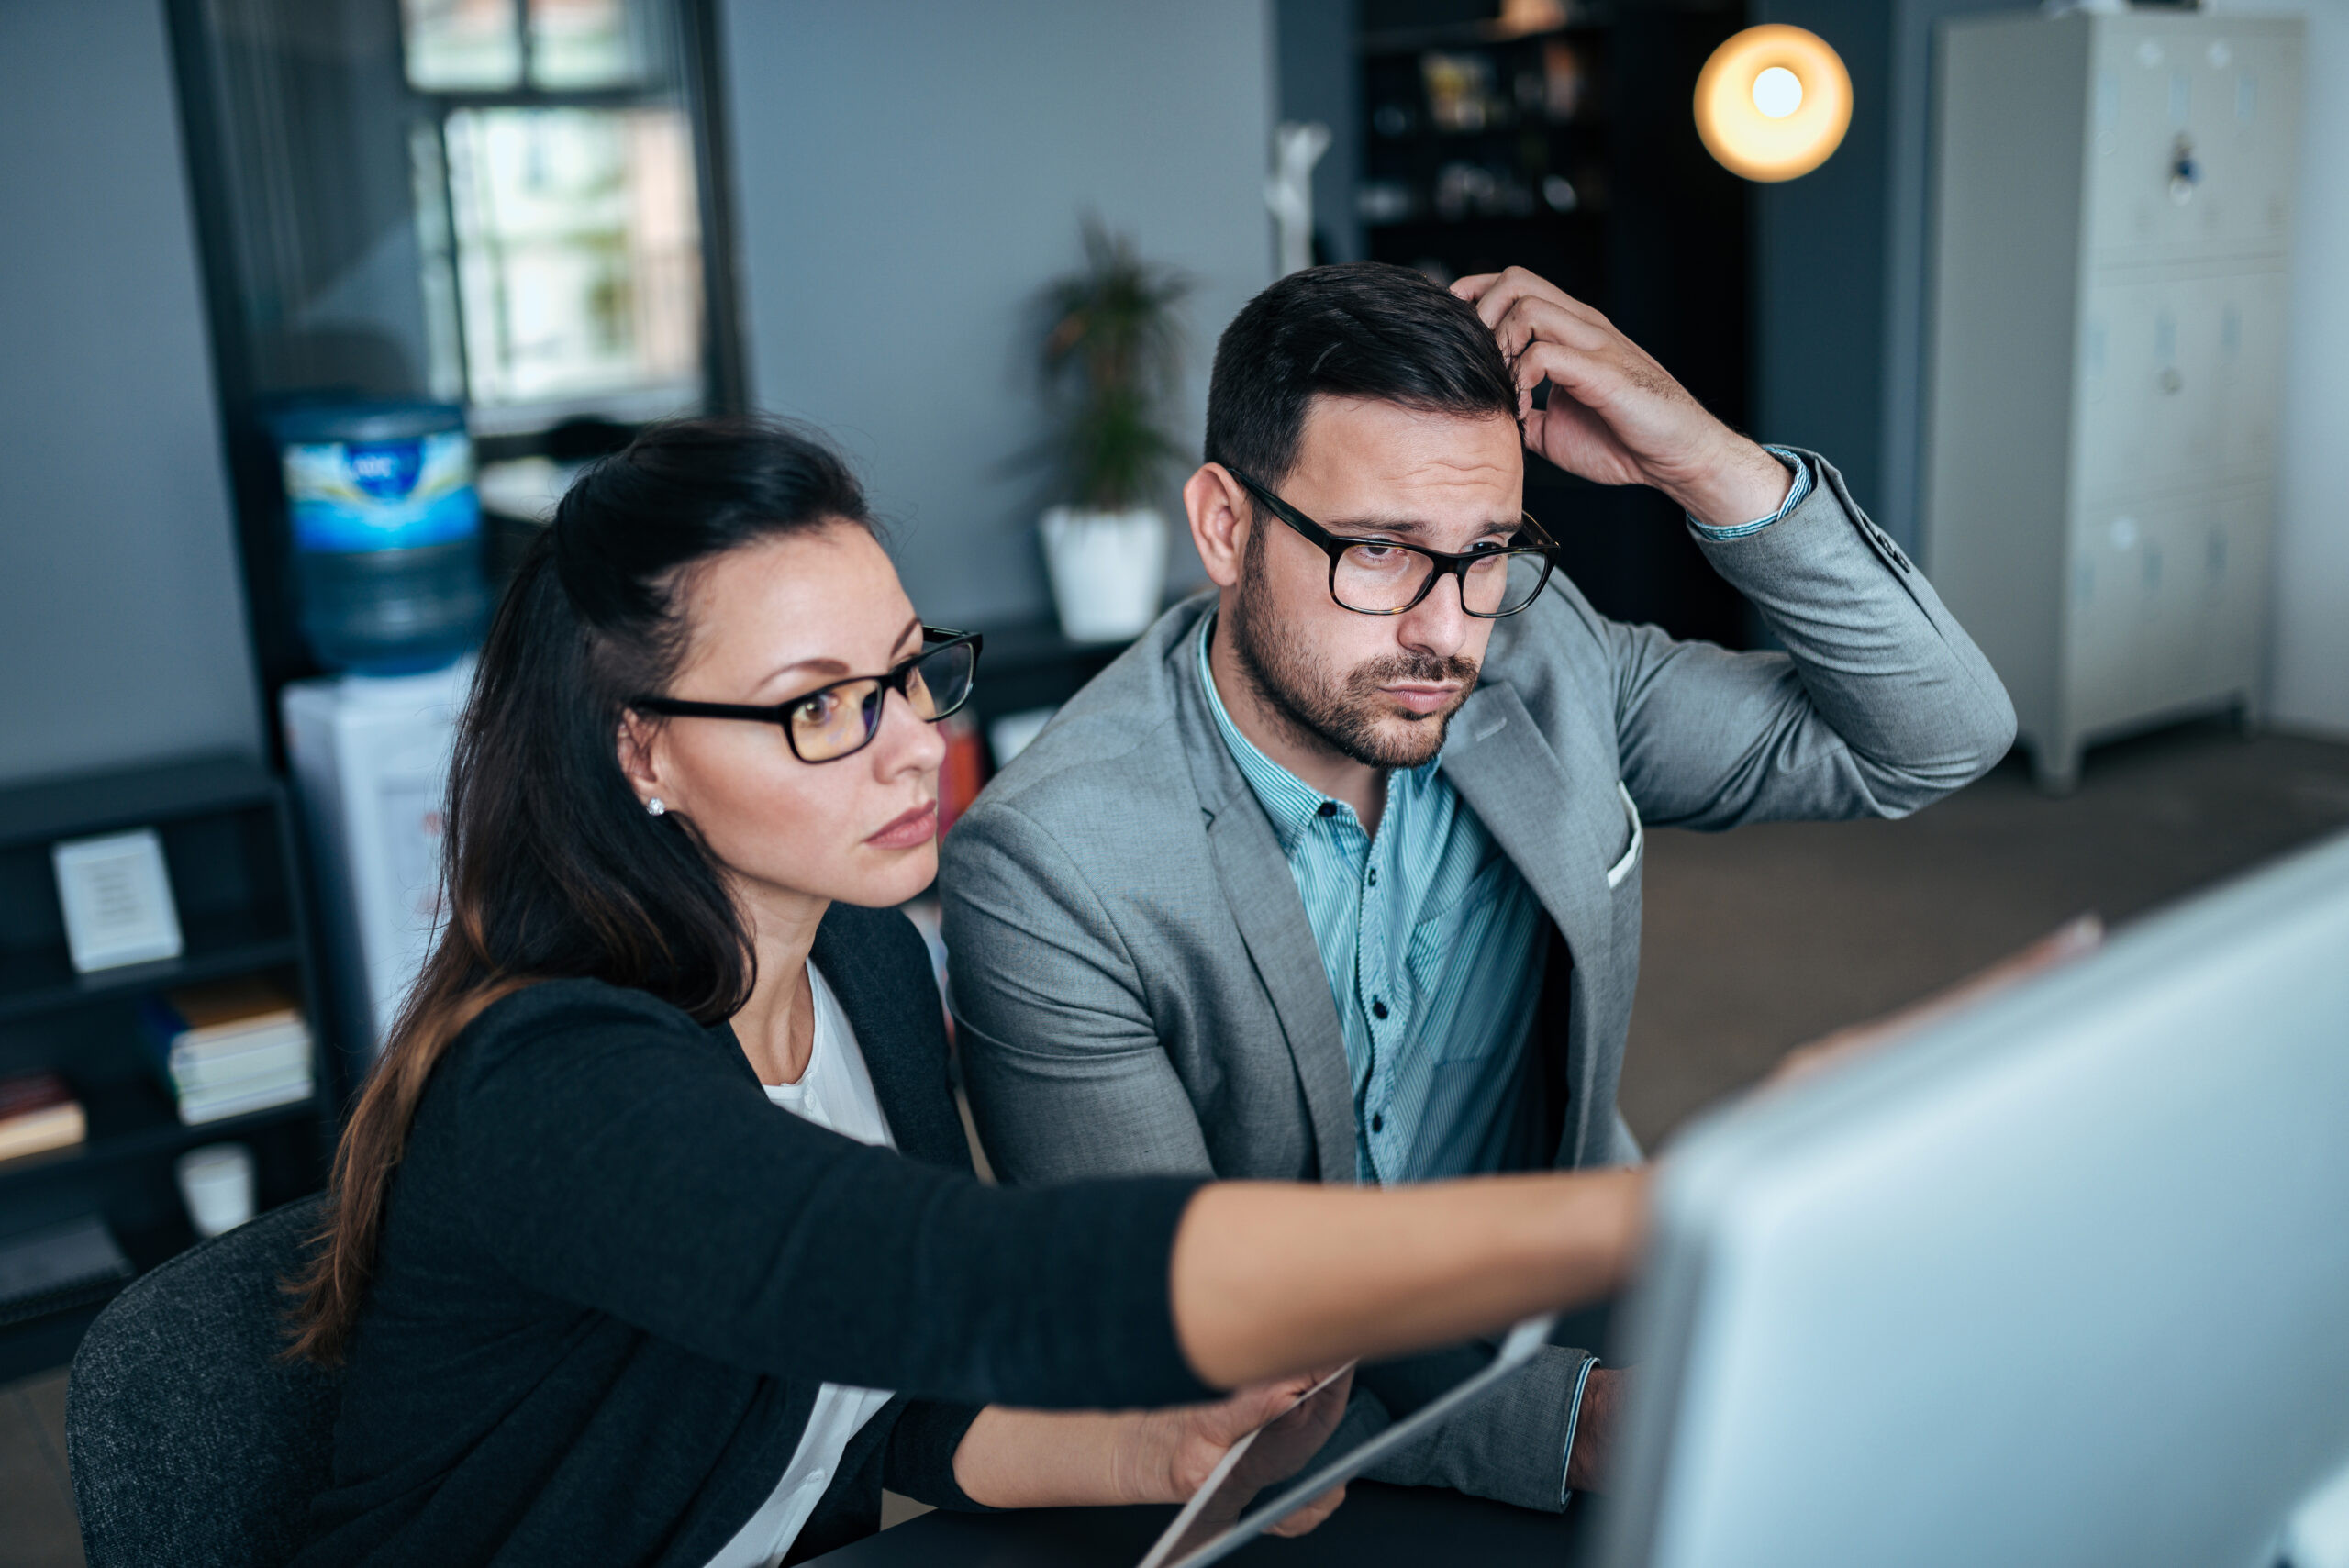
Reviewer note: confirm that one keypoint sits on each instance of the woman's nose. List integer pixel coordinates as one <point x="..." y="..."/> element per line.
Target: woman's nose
<point x="907" y="742"/>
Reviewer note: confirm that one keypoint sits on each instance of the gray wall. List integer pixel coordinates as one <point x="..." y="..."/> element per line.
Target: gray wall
<point x="1819" y="246"/>
<point x="122" y="624"/>
<point x="909" y="173"/>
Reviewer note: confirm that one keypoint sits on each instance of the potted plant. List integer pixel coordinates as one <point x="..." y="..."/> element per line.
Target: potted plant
<point x="1112" y="360"/>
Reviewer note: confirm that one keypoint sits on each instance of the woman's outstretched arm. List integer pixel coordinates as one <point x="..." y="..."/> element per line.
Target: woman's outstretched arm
<point x="1270" y="1279"/>
<point x="611" y="1155"/>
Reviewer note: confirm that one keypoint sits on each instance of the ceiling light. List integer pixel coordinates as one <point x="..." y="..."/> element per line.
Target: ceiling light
<point x="1773" y="102"/>
<point x="1778" y="92"/>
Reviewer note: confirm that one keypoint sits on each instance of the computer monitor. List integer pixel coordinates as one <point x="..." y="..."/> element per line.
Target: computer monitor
<point x="2061" y="1280"/>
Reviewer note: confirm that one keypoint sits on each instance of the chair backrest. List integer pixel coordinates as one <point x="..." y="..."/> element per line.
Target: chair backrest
<point x="192" y="1442"/>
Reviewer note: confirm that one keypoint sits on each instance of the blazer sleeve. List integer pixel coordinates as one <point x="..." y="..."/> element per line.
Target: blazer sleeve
<point x="623" y="1162"/>
<point x="1060" y="1055"/>
<point x="1880" y="704"/>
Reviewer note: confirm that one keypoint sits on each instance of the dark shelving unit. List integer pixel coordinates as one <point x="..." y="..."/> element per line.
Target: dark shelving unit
<point x="1482" y="152"/>
<point x="227" y="844"/>
<point x="1464" y="129"/>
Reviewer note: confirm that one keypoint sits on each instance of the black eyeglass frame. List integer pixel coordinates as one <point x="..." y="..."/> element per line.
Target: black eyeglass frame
<point x="1443" y="563"/>
<point x="899" y="677"/>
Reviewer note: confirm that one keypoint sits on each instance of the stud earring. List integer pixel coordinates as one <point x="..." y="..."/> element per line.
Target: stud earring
<point x="654" y="809"/>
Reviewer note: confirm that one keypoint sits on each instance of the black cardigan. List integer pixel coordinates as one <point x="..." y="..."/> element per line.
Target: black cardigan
<point x="613" y="1275"/>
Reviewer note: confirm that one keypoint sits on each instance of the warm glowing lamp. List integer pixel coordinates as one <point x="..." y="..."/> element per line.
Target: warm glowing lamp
<point x="1773" y="102"/>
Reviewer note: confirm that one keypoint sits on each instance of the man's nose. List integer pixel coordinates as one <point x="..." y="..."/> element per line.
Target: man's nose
<point x="1437" y="624"/>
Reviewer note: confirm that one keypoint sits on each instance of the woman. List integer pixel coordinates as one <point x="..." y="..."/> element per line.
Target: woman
<point x="600" y="1299"/>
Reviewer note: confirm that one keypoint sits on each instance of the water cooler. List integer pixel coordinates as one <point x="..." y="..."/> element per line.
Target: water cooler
<point x="386" y="528"/>
<point x="371" y="764"/>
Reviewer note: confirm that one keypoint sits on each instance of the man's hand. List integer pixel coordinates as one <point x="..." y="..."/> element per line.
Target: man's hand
<point x="1615" y="416"/>
<point x="1594" y="1451"/>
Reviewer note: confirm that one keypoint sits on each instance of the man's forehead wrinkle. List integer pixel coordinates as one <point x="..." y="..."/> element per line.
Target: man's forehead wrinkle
<point x="1466" y="465"/>
<point x="1432" y="468"/>
<point x="1432" y="477"/>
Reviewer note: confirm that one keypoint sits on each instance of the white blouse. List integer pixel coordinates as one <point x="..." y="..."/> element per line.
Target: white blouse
<point x="835" y="1091"/>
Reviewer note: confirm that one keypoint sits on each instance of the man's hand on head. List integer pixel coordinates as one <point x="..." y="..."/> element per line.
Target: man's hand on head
<point x="1615" y="416"/>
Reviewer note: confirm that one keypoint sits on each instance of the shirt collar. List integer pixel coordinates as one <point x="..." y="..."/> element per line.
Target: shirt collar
<point x="1289" y="801"/>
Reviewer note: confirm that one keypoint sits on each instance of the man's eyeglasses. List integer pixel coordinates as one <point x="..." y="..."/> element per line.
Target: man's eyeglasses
<point x="840" y="718"/>
<point x="1381" y="577"/>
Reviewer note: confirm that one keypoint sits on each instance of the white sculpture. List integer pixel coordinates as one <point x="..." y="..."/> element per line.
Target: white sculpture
<point x="1289" y="190"/>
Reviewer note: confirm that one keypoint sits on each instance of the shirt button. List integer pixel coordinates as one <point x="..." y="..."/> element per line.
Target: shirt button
<point x="1374" y="876"/>
<point x="1377" y="1007"/>
<point x="1378" y="1121"/>
<point x="1329" y="809"/>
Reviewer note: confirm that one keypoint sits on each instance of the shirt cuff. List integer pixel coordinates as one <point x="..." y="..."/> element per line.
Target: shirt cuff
<point x="1797" y="495"/>
<point x="1574" y="1418"/>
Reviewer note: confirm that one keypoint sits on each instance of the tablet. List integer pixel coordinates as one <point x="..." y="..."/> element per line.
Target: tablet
<point x="1218" y="1520"/>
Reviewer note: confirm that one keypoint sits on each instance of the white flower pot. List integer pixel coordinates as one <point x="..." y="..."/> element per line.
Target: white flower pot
<point x="1108" y="570"/>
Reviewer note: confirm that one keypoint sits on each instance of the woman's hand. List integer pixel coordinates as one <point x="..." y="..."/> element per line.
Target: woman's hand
<point x="1044" y="1459"/>
<point x="2074" y="938"/>
<point x="1175" y="1452"/>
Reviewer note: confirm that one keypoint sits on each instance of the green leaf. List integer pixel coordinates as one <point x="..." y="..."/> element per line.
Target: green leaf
<point x="1112" y="360"/>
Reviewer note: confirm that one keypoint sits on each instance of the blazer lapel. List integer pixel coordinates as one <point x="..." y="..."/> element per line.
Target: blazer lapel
<point x="1539" y="806"/>
<point x="1271" y="917"/>
<point x="1262" y="897"/>
<point x="877" y="965"/>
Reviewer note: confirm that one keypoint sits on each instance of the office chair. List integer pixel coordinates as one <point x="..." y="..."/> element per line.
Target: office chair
<point x="191" y="1443"/>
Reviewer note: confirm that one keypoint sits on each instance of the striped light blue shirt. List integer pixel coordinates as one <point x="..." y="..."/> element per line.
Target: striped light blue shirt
<point x="1432" y="943"/>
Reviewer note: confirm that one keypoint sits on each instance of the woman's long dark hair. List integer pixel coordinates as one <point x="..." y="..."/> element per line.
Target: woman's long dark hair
<point x="551" y="868"/>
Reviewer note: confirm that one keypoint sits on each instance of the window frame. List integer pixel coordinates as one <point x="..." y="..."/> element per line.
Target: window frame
<point x="693" y="86"/>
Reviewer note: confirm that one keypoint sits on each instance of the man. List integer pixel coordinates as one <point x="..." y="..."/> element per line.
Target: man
<point x="1336" y="873"/>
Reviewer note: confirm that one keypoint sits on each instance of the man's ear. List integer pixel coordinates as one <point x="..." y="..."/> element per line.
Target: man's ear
<point x="1219" y="510"/>
<point x="636" y="744"/>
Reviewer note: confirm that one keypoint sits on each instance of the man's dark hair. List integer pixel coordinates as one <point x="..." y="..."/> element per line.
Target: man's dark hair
<point x="1367" y="329"/>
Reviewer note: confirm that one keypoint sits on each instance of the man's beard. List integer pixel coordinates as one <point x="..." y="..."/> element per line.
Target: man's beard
<point x="1344" y="713"/>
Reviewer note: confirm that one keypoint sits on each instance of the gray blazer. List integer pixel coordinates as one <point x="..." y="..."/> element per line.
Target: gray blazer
<point x="1135" y="984"/>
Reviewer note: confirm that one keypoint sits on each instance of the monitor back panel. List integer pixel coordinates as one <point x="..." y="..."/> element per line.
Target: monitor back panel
<point x="2063" y="1280"/>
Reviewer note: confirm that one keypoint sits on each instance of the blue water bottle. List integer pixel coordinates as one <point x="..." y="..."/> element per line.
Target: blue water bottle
<point x="387" y="534"/>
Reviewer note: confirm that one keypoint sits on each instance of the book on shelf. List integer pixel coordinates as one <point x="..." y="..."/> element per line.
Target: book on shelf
<point x="57" y="1268"/>
<point x="230" y="1048"/>
<point x="38" y="1113"/>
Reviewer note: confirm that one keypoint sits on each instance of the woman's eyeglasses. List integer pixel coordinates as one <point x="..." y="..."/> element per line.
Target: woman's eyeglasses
<point x="841" y="718"/>
<point x="1381" y="577"/>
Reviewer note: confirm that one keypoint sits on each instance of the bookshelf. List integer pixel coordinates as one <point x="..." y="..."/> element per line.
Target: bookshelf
<point x="227" y="844"/>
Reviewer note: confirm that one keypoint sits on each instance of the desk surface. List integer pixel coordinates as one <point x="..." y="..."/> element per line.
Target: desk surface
<point x="1378" y="1524"/>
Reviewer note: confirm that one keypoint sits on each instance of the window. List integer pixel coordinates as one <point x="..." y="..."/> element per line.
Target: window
<point x="558" y="214"/>
<point x="511" y="204"/>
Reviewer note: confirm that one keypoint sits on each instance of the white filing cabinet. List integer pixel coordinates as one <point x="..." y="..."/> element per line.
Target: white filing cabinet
<point x="2112" y="222"/>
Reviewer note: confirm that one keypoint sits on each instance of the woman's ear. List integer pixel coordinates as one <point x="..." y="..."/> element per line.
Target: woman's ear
<point x="638" y="750"/>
